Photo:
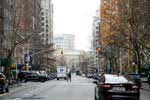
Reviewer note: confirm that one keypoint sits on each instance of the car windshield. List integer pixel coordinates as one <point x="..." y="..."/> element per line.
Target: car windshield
<point x="116" y="79"/>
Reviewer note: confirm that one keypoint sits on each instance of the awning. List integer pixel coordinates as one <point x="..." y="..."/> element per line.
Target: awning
<point x="35" y="66"/>
<point x="20" y="66"/>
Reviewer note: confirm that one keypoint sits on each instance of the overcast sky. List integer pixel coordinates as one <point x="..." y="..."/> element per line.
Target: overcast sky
<point x="75" y="17"/>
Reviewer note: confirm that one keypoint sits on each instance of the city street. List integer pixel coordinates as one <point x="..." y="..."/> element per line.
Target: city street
<point x="80" y="88"/>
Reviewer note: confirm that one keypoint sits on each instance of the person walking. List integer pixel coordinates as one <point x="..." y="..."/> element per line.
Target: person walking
<point x="69" y="76"/>
<point x="102" y="77"/>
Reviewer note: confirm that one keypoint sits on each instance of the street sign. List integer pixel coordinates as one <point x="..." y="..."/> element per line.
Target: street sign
<point x="13" y="66"/>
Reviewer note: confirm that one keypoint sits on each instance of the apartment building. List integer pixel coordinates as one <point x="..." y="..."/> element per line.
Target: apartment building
<point x="5" y="25"/>
<point x="64" y="41"/>
<point x="1" y="28"/>
<point x="96" y="38"/>
<point x="29" y="24"/>
<point x="46" y="21"/>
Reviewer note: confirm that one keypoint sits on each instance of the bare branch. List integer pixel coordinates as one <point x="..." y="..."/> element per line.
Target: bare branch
<point x="23" y="40"/>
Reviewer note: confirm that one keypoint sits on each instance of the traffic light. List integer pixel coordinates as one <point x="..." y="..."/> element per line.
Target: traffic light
<point x="62" y="52"/>
<point x="99" y="50"/>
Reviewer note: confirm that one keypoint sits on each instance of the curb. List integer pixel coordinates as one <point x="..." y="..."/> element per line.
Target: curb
<point x="15" y="85"/>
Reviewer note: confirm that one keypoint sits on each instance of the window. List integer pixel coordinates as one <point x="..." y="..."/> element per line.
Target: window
<point x="42" y="40"/>
<point x="42" y="18"/>
<point x="42" y="29"/>
<point x="42" y="24"/>
<point x="42" y="13"/>
<point x="46" y="40"/>
<point x="1" y="1"/>
<point x="1" y="12"/>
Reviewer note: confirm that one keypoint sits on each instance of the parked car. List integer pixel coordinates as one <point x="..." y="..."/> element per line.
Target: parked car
<point x="22" y="76"/>
<point x="42" y="76"/>
<point x="135" y="77"/>
<point x="78" y="72"/>
<point x="116" y="87"/>
<point x="90" y="76"/>
<point x="4" y="86"/>
<point x="32" y="76"/>
<point x="53" y="75"/>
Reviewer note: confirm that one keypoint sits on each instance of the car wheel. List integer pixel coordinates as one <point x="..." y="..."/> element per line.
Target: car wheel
<point x="42" y="80"/>
<point x="95" y="98"/>
<point x="24" y="80"/>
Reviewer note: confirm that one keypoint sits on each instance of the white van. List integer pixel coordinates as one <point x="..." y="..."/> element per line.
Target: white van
<point x="61" y="72"/>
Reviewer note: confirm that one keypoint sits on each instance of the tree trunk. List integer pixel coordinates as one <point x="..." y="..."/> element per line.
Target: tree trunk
<point x="138" y="62"/>
<point x="111" y="66"/>
<point x="7" y="70"/>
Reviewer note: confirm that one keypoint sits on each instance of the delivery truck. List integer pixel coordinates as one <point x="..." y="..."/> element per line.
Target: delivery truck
<point x="61" y="72"/>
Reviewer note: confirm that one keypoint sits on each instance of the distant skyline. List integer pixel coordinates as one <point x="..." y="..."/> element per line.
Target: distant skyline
<point x="75" y="17"/>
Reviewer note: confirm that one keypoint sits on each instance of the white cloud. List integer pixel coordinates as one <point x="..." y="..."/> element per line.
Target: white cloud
<point x="75" y="16"/>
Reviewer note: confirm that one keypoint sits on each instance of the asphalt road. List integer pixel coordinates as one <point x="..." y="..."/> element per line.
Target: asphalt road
<point x="80" y="88"/>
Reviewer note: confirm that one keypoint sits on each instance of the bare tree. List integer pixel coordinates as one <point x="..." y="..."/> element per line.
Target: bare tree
<point x="17" y="34"/>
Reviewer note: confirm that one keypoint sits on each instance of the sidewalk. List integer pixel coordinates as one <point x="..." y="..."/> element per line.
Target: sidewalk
<point x="145" y="86"/>
<point x="15" y="85"/>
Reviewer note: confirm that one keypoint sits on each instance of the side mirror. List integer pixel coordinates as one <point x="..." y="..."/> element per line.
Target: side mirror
<point x="95" y="82"/>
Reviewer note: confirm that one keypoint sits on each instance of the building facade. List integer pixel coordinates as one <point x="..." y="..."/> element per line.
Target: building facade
<point x="96" y="38"/>
<point x="1" y="28"/>
<point x="5" y="29"/>
<point x="6" y="25"/>
<point x="46" y="21"/>
<point x="29" y="24"/>
<point x="64" y="41"/>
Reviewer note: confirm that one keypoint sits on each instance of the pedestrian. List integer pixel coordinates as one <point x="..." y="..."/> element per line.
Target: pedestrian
<point x="69" y="76"/>
<point x="102" y="78"/>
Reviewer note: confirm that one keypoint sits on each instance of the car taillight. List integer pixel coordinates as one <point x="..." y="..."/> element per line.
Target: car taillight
<point x="134" y="87"/>
<point x="1" y="78"/>
<point x="107" y="86"/>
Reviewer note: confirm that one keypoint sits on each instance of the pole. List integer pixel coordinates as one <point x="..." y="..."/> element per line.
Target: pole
<point x="98" y="69"/>
<point x="41" y="52"/>
<point x="120" y="61"/>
